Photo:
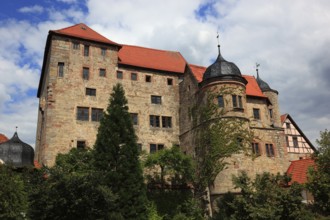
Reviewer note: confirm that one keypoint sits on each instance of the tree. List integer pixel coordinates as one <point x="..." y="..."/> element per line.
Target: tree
<point x="266" y="197"/>
<point x="319" y="179"/>
<point x="13" y="198"/>
<point x="117" y="158"/>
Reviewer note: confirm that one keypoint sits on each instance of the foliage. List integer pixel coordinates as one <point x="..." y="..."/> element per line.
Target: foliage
<point x="13" y="198"/>
<point x="267" y="197"/>
<point x="319" y="178"/>
<point x="152" y="212"/>
<point x="116" y="158"/>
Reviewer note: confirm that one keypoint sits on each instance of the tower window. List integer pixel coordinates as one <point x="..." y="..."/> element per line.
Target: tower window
<point x="221" y="102"/>
<point x="86" y="50"/>
<point x="169" y="81"/>
<point x="256" y="113"/>
<point x="135" y="118"/>
<point x="255" y="149"/>
<point x="154" y="121"/>
<point x="97" y="114"/>
<point x="60" y="67"/>
<point x="269" y="150"/>
<point x="102" y="73"/>
<point x="82" y="113"/>
<point x="237" y="101"/>
<point x="90" y="92"/>
<point x="271" y="113"/>
<point x="156" y="99"/>
<point x="81" y="144"/>
<point x="148" y="78"/>
<point x="85" y="73"/>
<point x="166" y="122"/>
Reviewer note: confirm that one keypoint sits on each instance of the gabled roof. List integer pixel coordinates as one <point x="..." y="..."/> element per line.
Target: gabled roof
<point x="149" y="58"/>
<point x="3" y="138"/>
<point x="252" y="88"/>
<point x="298" y="170"/>
<point x="82" y="31"/>
<point x="287" y="116"/>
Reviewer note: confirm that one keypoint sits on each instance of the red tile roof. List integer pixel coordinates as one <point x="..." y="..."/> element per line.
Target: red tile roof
<point x="84" y="32"/>
<point x="252" y="87"/>
<point x="298" y="170"/>
<point x="170" y="61"/>
<point x="283" y="117"/>
<point x="3" y="138"/>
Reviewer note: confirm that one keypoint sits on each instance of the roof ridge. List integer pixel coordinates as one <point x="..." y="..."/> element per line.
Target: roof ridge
<point x="149" y="48"/>
<point x="69" y="27"/>
<point x="190" y="64"/>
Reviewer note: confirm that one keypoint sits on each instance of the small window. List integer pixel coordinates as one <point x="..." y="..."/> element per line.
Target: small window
<point x="234" y="97"/>
<point x="295" y="142"/>
<point x="134" y="76"/>
<point x="271" y="113"/>
<point x="148" y="78"/>
<point x="255" y="149"/>
<point x="86" y="50"/>
<point x="90" y="92"/>
<point x="82" y="113"/>
<point x="269" y="150"/>
<point x="156" y="99"/>
<point x="169" y="81"/>
<point x="166" y="122"/>
<point x="240" y="103"/>
<point x="102" y="73"/>
<point x="156" y="147"/>
<point x="287" y="125"/>
<point x="154" y="121"/>
<point x="135" y="118"/>
<point x="256" y="113"/>
<point x="75" y="45"/>
<point x="237" y="101"/>
<point x="103" y="51"/>
<point x="81" y="144"/>
<point x="85" y="73"/>
<point x="139" y="147"/>
<point x="97" y="114"/>
<point x="220" y="101"/>
<point x="119" y="75"/>
<point x="60" y="67"/>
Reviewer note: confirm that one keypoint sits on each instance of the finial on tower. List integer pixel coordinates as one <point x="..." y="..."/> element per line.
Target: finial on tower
<point x="218" y="42"/>
<point x="16" y="128"/>
<point x="257" y="66"/>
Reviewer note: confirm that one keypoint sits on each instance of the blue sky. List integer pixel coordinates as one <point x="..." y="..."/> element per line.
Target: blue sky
<point x="290" y="40"/>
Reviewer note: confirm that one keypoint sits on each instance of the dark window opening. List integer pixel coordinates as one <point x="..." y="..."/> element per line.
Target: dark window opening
<point x="97" y="114"/>
<point x="102" y="73"/>
<point x="85" y="73"/>
<point x="221" y="102"/>
<point x="75" y="46"/>
<point x="166" y="122"/>
<point x="83" y="113"/>
<point x="169" y="81"/>
<point x="86" y="50"/>
<point x="269" y="150"/>
<point x="103" y="51"/>
<point x="255" y="149"/>
<point x="134" y="76"/>
<point x="148" y="78"/>
<point x="156" y="99"/>
<point x="135" y="118"/>
<point x="90" y="92"/>
<point x="288" y="125"/>
<point x="295" y="142"/>
<point x="81" y="144"/>
<point x="154" y="121"/>
<point x="156" y="147"/>
<point x="119" y="75"/>
<point x="60" y="69"/>
<point x="271" y="113"/>
<point x="256" y="113"/>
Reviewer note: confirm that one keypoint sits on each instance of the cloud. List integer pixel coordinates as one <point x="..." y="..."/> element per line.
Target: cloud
<point x="67" y="1"/>
<point x="32" y="9"/>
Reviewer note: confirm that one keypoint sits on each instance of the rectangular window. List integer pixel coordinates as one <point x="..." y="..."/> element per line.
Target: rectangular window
<point x="134" y="76"/>
<point x="169" y="81"/>
<point x="271" y="113"/>
<point x="135" y="118"/>
<point x="97" y="114"/>
<point x="85" y="73"/>
<point x="240" y="103"/>
<point x="295" y="142"/>
<point x="119" y="75"/>
<point x="103" y="51"/>
<point x="156" y="147"/>
<point x="82" y="113"/>
<point x="148" y="78"/>
<point x="81" y="144"/>
<point x="156" y="99"/>
<point x="255" y="149"/>
<point x="86" y="50"/>
<point x="154" y="121"/>
<point x="60" y="67"/>
<point x="237" y="101"/>
<point x="256" y="113"/>
<point x="234" y="97"/>
<point x="166" y="122"/>
<point x="269" y="150"/>
<point x="90" y="92"/>
<point x="102" y="73"/>
<point x="75" y="46"/>
<point x="221" y="103"/>
<point x="139" y="147"/>
<point x="287" y="125"/>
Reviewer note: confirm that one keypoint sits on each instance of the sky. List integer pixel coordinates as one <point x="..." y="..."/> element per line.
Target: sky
<point x="289" y="39"/>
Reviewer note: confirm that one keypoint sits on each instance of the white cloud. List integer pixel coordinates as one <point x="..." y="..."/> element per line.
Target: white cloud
<point x="67" y="1"/>
<point x="32" y="9"/>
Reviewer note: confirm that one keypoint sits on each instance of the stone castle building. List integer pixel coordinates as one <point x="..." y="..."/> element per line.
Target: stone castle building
<point x="80" y="67"/>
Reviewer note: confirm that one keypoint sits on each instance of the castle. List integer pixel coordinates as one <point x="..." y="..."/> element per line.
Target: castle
<point x="80" y="67"/>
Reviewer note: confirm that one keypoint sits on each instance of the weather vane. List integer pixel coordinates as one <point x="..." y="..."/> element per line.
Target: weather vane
<point x="257" y="66"/>
<point x="16" y="128"/>
<point x="218" y="41"/>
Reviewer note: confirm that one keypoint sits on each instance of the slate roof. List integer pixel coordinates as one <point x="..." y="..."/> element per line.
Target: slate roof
<point x="298" y="170"/>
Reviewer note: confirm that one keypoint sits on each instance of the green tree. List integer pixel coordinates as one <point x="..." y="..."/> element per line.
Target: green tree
<point x="117" y="158"/>
<point x="266" y="197"/>
<point x="13" y="198"/>
<point x="319" y="179"/>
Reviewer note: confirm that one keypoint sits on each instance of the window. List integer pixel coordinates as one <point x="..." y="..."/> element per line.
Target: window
<point x="82" y="113"/>
<point x="256" y="113"/>
<point x="135" y="118"/>
<point x="295" y="142"/>
<point x="119" y="75"/>
<point x="60" y="69"/>
<point x="169" y="81"/>
<point x="237" y="101"/>
<point x="271" y="113"/>
<point x="220" y="101"/>
<point x="255" y="149"/>
<point x="85" y="73"/>
<point x="156" y="147"/>
<point x="90" y="92"/>
<point x="156" y="99"/>
<point x="134" y="76"/>
<point x="97" y="114"/>
<point x="148" y="78"/>
<point x="166" y="122"/>
<point x="102" y="73"/>
<point x="287" y="125"/>
<point x="269" y="150"/>
<point x="139" y="147"/>
<point x="81" y="144"/>
<point x="103" y="51"/>
<point x="75" y="45"/>
<point x="154" y="121"/>
<point x="86" y="50"/>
